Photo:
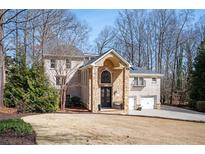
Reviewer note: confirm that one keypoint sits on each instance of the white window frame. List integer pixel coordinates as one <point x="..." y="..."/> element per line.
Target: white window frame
<point x="68" y="63"/>
<point x="154" y="81"/>
<point x="53" y="63"/>
<point x="136" y="81"/>
<point x="62" y="79"/>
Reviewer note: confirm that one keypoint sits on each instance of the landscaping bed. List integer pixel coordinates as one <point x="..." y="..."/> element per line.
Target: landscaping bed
<point x="16" y="132"/>
<point x="6" y="110"/>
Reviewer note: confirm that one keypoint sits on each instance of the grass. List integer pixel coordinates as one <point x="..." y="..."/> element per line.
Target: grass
<point x="16" y="125"/>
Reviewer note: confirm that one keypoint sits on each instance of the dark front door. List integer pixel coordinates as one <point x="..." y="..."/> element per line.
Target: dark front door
<point x="106" y="96"/>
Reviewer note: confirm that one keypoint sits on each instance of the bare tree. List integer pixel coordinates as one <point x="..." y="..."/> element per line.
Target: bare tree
<point x="104" y="39"/>
<point x="161" y="40"/>
<point x="1" y="59"/>
<point x="185" y="15"/>
<point x="3" y="35"/>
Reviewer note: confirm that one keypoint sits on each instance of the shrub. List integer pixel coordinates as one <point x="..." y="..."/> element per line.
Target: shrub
<point x="192" y="104"/>
<point x="200" y="106"/>
<point x="29" y="90"/>
<point x="68" y="101"/>
<point x="74" y="101"/>
<point x="16" y="125"/>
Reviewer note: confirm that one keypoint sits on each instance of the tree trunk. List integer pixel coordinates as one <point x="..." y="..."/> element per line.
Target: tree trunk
<point x="64" y="98"/>
<point x="17" y="39"/>
<point x="1" y="61"/>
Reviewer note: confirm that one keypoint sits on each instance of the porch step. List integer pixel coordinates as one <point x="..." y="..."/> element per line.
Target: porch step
<point x="111" y="111"/>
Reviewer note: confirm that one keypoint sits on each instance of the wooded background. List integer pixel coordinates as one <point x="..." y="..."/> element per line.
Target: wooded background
<point x="164" y="41"/>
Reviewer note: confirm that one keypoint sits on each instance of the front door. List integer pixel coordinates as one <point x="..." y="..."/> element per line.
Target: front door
<point x="106" y="97"/>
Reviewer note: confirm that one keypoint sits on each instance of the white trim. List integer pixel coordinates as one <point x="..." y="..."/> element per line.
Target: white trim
<point x="111" y="50"/>
<point x="146" y="74"/>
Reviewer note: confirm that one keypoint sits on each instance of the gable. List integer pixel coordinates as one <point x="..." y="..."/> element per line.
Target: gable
<point x="112" y="55"/>
<point x="112" y="58"/>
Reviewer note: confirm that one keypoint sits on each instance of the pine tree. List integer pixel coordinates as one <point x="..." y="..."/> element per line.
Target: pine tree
<point x="198" y="75"/>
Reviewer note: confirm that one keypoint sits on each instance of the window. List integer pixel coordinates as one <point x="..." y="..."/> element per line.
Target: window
<point x="105" y="77"/>
<point x="135" y="82"/>
<point x="68" y="63"/>
<point x="138" y="81"/>
<point x="60" y="80"/>
<point x="154" y="80"/>
<point x="141" y="81"/>
<point x="53" y="63"/>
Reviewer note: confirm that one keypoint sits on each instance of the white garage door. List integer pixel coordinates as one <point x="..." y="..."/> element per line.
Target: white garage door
<point x="131" y="103"/>
<point x="147" y="102"/>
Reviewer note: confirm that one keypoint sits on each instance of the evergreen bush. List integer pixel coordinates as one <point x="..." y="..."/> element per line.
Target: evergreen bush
<point x="200" y="106"/>
<point x="29" y="90"/>
<point x="197" y="92"/>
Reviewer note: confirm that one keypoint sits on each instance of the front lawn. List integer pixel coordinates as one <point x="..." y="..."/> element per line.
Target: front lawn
<point x="16" y="131"/>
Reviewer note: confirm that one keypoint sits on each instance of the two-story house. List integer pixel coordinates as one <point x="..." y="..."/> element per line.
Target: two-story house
<point x="106" y="80"/>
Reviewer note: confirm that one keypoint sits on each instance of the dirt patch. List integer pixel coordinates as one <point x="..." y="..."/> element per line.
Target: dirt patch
<point x="11" y="138"/>
<point x="113" y="129"/>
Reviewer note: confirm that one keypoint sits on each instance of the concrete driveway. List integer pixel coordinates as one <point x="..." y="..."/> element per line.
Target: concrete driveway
<point x="88" y="128"/>
<point x="171" y="112"/>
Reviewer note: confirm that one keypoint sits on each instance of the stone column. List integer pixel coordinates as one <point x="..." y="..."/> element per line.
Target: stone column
<point x="90" y="90"/>
<point x="125" y="88"/>
<point x="95" y="90"/>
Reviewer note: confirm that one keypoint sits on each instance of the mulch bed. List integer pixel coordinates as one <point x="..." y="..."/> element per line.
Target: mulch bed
<point x="11" y="138"/>
<point x="6" y="110"/>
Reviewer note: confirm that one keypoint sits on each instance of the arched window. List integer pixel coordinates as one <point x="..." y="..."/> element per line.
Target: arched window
<point x="105" y="77"/>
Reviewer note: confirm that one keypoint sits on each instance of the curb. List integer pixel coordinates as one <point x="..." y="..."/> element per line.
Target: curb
<point x="186" y="120"/>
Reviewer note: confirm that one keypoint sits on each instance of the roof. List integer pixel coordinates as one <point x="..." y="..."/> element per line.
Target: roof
<point x="139" y="70"/>
<point x="92" y="61"/>
<point x="64" y="50"/>
<point x="90" y="54"/>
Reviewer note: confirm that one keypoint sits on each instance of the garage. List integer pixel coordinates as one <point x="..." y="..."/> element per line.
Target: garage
<point x="147" y="102"/>
<point x="131" y="103"/>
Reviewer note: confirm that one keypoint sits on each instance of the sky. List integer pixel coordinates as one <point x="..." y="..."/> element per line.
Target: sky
<point x="99" y="18"/>
<point x="96" y="19"/>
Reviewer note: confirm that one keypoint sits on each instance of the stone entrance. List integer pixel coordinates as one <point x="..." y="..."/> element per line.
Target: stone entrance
<point x="106" y="83"/>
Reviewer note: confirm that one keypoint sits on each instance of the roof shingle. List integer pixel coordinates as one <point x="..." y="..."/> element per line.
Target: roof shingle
<point x="141" y="70"/>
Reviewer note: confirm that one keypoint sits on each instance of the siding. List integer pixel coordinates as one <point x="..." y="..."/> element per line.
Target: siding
<point x="151" y="89"/>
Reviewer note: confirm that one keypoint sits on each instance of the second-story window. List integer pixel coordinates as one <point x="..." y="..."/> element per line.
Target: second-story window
<point x="105" y="77"/>
<point x="60" y="80"/>
<point x="139" y="81"/>
<point x="53" y="63"/>
<point x="68" y="63"/>
<point x="154" y="80"/>
<point x="135" y="81"/>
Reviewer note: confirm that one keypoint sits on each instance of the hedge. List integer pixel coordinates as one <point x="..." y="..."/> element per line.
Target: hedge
<point x="200" y="106"/>
<point x="16" y="125"/>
